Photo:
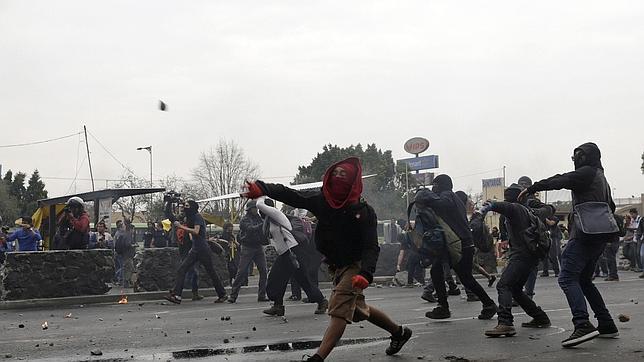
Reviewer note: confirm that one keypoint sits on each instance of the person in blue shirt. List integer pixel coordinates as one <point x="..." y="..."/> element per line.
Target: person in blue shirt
<point x="28" y="237"/>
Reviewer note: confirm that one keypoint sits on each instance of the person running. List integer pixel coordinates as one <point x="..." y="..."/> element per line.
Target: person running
<point x="589" y="189"/>
<point x="346" y="235"/>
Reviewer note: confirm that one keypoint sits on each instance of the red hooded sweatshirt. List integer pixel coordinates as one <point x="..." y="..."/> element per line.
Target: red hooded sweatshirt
<point x="340" y="191"/>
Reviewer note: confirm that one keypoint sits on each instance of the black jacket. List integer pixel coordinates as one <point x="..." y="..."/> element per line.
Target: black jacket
<point x="587" y="183"/>
<point x="517" y="220"/>
<point x="344" y="236"/>
<point x="450" y="208"/>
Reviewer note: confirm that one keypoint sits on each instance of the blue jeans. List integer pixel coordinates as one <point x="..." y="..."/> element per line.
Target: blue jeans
<point x="577" y="267"/>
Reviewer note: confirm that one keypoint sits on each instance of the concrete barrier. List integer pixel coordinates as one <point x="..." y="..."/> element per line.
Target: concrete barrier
<point x="50" y="274"/>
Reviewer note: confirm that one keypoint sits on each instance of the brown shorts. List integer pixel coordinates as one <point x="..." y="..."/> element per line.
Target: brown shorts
<point x="346" y="302"/>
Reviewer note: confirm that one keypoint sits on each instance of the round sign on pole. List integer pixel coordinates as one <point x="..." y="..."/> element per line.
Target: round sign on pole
<point x="416" y="145"/>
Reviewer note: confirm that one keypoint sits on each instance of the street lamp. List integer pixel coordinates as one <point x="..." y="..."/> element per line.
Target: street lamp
<point x="149" y="149"/>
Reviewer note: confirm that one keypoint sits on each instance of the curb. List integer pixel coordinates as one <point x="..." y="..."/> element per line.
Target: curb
<point x="132" y="297"/>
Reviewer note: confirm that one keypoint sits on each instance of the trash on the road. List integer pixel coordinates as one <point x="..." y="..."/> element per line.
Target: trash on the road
<point x="51" y="344"/>
<point x="223" y="318"/>
<point x="68" y="315"/>
<point x="21" y="326"/>
<point x="8" y="355"/>
<point x="96" y="352"/>
<point x="100" y="319"/>
<point x="623" y="318"/>
<point x="38" y="345"/>
<point x="123" y="299"/>
<point x="45" y="325"/>
<point x="141" y="304"/>
<point x="254" y="328"/>
<point x="226" y="340"/>
<point x="227" y="318"/>
<point x="420" y="357"/>
<point x="188" y="332"/>
<point x="157" y="316"/>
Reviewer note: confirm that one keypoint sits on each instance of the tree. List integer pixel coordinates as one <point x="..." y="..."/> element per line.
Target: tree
<point x="384" y="192"/>
<point x="18" y="190"/>
<point x="8" y="178"/>
<point x="35" y="191"/>
<point x="8" y="206"/>
<point x="129" y="206"/>
<point x="222" y="170"/>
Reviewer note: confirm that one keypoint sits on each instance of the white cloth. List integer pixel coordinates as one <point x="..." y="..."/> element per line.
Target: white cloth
<point x="279" y="227"/>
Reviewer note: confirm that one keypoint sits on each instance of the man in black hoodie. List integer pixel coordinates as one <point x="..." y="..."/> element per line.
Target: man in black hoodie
<point x="588" y="184"/>
<point x="522" y="262"/>
<point x="450" y="208"/>
<point x="346" y="235"/>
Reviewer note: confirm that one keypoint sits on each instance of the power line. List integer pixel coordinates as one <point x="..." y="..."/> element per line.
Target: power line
<point x="111" y="154"/>
<point x="39" y="142"/>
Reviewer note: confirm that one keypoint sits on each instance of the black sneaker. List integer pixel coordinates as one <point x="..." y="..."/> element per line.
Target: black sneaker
<point x="454" y="291"/>
<point x="263" y="299"/>
<point x="294" y="297"/>
<point x="322" y="307"/>
<point x="397" y="342"/>
<point x="542" y="322"/>
<point x="221" y="299"/>
<point x="583" y="333"/>
<point x="275" y="310"/>
<point x="488" y="311"/>
<point x="440" y="312"/>
<point x="607" y="330"/>
<point x="472" y="298"/>
<point x="427" y="296"/>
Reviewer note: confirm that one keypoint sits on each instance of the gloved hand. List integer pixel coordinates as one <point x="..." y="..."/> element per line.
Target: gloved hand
<point x="486" y="207"/>
<point x="359" y="282"/>
<point x="254" y="191"/>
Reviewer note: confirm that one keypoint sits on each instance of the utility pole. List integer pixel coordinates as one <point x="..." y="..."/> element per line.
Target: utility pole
<point x="89" y="160"/>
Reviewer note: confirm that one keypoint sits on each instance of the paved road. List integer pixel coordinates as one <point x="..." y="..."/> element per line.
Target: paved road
<point x="157" y="331"/>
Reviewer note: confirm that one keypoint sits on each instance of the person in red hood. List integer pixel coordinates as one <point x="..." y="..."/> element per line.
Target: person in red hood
<point x="346" y="235"/>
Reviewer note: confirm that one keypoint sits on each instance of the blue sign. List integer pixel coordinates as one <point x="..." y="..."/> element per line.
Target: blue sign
<point x="421" y="163"/>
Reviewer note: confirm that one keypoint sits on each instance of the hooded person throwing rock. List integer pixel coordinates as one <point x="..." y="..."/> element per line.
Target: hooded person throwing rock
<point x="347" y="237"/>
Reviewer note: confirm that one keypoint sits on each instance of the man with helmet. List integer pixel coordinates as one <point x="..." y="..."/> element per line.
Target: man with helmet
<point x="73" y="225"/>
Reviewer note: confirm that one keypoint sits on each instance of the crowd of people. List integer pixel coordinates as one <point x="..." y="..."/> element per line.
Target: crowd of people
<point x="337" y="225"/>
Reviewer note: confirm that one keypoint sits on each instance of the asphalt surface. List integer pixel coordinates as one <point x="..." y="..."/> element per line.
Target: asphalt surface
<point x="157" y="330"/>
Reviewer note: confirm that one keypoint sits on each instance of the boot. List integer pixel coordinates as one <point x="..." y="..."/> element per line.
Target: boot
<point x="322" y="307"/>
<point x="453" y="291"/>
<point x="397" y="342"/>
<point x="275" y="310"/>
<point x="501" y="330"/>
<point x="488" y="311"/>
<point x="440" y="312"/>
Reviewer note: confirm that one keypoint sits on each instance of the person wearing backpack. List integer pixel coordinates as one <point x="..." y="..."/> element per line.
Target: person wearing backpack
<point x="450" y="209"/>
<point x="592" y="225"/>
<point x="346" y="234"/>
<point x="522" y="260"/>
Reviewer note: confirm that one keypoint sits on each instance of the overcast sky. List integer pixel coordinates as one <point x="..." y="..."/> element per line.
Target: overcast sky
<point x="489" y="84"/>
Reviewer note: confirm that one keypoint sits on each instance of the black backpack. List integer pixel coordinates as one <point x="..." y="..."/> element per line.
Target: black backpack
<point x="536" y="236"/>
<point x="481" y="234"/>
<point x="428" y="236"/>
